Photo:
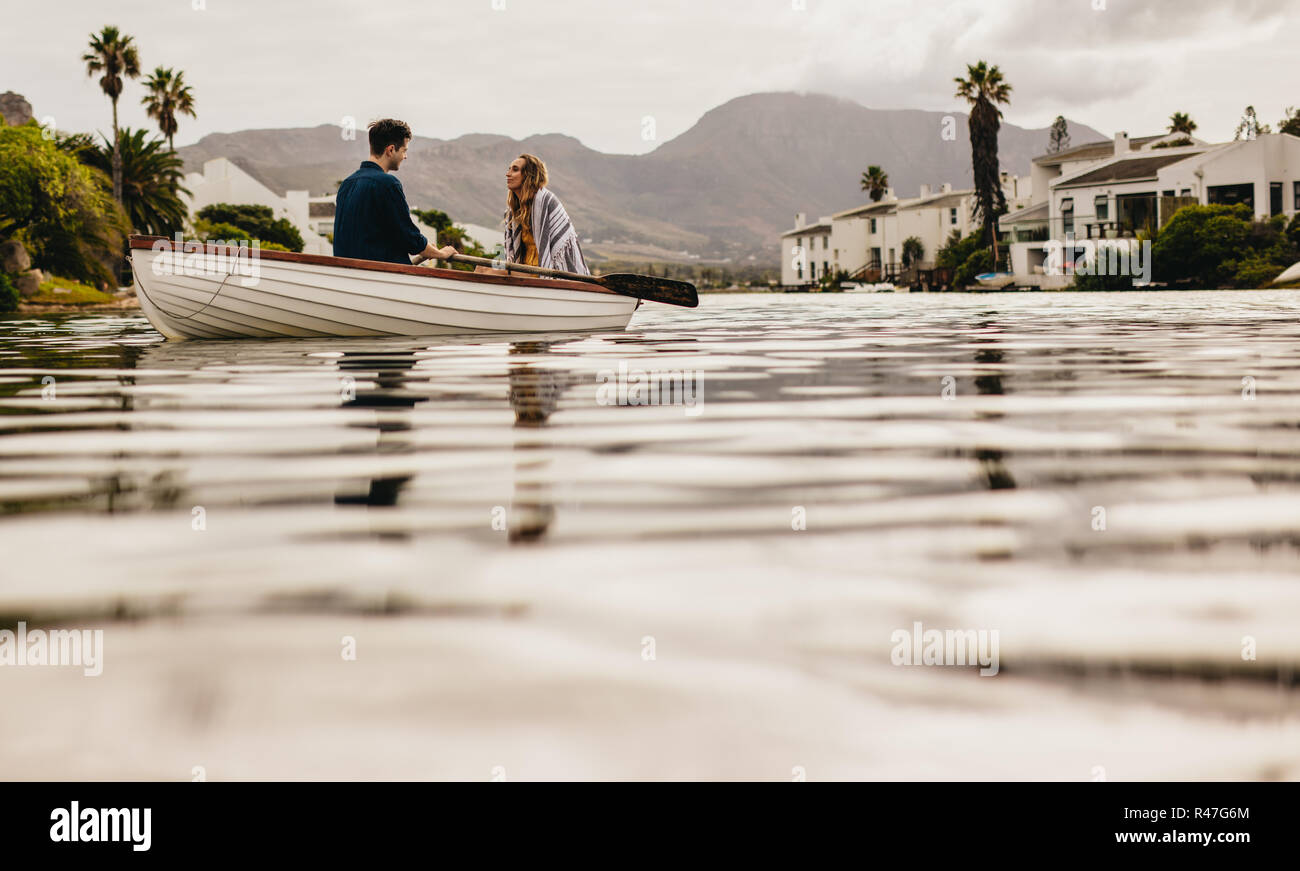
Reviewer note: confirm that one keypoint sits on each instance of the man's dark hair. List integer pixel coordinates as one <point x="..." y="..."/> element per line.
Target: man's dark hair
<point x="386" y="132"/>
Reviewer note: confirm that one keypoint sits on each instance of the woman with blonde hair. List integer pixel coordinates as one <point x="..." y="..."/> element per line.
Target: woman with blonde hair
<point x="538" y="231"/>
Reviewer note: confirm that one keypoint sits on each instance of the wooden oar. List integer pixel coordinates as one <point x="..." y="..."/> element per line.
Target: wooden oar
<point x="647" y="287"/>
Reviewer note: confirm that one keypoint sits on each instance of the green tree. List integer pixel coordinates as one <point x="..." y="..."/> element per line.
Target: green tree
<point x="875" y="181"/>
<point x="114" y="55"/>
<point x="434" y="218"/>
<point x="913" y="251"/>
<point x="956" y="250"/>
<point x="168" y="97"/>
<point x="1223" y="246"/>
<point x="1181" y="122"/>
<point x="259" y="222"/>
<point x="9" y="296"/>
<point x="1291" y="123"/>
<point x="984" y="89"/>
<point x="450" y="234"/>
<point x="151" y="181"/>
<point x="58" y="207"/>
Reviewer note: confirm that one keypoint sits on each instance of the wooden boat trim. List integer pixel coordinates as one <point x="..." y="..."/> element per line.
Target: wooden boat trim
<point x="148" y="242"/>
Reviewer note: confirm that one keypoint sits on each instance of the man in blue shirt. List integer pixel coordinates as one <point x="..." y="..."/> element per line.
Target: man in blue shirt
<point x="371" y="218"/>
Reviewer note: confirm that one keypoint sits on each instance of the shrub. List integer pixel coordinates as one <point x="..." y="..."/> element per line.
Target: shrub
<point x="257" y="222"/>
<point x="957" y="250"/>
<point x="1103" y="282"/>
<point x="217" y="231"/>
<point x="9" y="297"/>
<point x="1254" y="272"/>
<point x="977" y="263"/>
<point x="60" y="209"/>
<point x="913" y="251"/>
<point x="1224" y="246"/>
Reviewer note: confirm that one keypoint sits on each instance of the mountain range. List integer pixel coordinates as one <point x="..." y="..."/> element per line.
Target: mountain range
<point x="727" y="187"/>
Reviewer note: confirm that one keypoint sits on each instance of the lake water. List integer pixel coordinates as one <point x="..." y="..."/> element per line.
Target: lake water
<point x="476" y="558"/>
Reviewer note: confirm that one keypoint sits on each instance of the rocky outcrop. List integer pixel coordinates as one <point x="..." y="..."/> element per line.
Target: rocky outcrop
<point x="29" y="283"/>
<point x="14" y="257"/>
<point x="15" y="108"/>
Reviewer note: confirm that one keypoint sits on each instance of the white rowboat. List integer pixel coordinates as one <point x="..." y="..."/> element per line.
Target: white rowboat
<point x="195" y="291"/>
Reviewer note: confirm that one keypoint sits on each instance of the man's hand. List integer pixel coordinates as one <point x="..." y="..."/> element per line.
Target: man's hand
<point x="431" y="253"/>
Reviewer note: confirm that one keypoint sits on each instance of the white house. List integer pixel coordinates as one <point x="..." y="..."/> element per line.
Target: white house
<point x="223" y="182"/>
<point x="805" y="251"/>
<point x="932" y="218"/>
<point x="872" y="235"/>
<point x="1130" y="191"/>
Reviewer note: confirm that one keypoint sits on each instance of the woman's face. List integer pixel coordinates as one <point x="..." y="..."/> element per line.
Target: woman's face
<point x="515" y="175"/>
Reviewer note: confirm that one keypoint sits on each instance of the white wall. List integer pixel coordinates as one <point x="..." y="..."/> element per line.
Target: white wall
<point x="223" y="182"/>
<point x="932" y="225"/>
<point x="817" y="251"/>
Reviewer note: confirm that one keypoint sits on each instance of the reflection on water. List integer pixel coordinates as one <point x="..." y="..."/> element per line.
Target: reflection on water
<point x="1111" y="480"/>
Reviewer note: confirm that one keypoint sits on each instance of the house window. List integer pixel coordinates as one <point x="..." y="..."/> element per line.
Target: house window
<point x="1067" y="216"/>
<point x="1168" y="193"/>
<point x="1230" y="194"/>
<point x="1185" y="192"/>
<point x="1274" y="198"/>
<point x="1102" y="204"/>
<point x="1295" y="197"/>
<point x="952" y="217"/>
<point x="873" y="225"/>
<point x="826" y="242"/>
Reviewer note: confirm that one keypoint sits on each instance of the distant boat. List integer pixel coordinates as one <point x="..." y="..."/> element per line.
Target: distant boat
<point x="996" y="279"/>
<point x="1292" y="273"/>
<point x="215" y="292"/>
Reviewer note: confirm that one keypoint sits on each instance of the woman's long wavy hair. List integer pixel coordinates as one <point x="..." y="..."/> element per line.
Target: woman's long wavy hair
<point x="520" y="206"/>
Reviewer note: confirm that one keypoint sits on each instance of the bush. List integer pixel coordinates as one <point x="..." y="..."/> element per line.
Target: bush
<point x="216" y="231"/>
<point x="1255" y="272"/>
<point x="913" y="251"/>
<point x="957" y="250"/>
<point x="1103" y="282"/>
<point x="60" y="209"/>
<point x="257" y="222"/>
<point x="977" y="263"/>
<point x="9" y="297"/>
<point x="1224" y="246"/>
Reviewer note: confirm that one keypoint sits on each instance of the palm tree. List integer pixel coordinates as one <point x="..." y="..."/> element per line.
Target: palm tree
<point x="151" y="181"/>
<point x="1181" y="122"/>
<point x="913" y="251"/>
<point x="115" y="56"/>
<point x="875" y="182"/>
<point x="168" y="96"/>
<point x="984" y="89"/>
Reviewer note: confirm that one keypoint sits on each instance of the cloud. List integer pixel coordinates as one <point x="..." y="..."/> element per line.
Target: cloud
<point x="595" y="68"/>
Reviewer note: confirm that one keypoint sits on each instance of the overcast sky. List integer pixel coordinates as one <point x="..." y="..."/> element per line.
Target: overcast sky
<point x="595" y="69"/>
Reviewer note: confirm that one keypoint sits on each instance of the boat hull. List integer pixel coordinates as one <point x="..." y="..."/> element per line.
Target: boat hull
<point x="220" y="292"/>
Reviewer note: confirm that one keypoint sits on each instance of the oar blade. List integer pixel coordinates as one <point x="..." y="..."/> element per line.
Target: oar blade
<point x="647" y="287"/>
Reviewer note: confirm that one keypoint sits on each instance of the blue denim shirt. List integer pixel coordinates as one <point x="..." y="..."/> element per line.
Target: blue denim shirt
<point x="372" y="220"/>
